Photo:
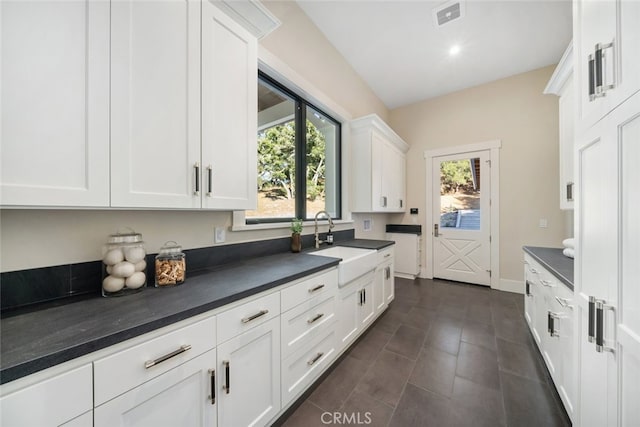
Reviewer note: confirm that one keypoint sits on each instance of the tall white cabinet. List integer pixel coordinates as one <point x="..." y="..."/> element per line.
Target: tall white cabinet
<point x="608" y="237"/>
<point x="54" y="120"/>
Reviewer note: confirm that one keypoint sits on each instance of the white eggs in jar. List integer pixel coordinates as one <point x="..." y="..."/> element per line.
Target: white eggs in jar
<point x="136" y="280"/>
<point x="113" y="257"/>
<point x="134" y="254"/>
<point x="123" y="269"/>
<point x="140" y="265"/>
<point x="112" y="284"/>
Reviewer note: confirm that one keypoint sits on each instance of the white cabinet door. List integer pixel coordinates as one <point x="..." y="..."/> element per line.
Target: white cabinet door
<point x="229" y="112"/>
<point x="394" y="174"/>
<point x="529" y="302"/>
<point x="55" y="103"/>
<point x="155" y="104"/>
<point x="366" y="304"/>
<point x="379" y="300"/>
<point x="628" y="321"/>
<point x="181" y="396"/>
<point x="606" y="22"/>
<point x="596" y="266"/>
<point x="389" y="283"/>
<point x="53" y="401"/>
<point x="249" y="379"/>
<point x="566" y="119"/>
<point x="348" y="315"/>
<point x="379" y="186"/>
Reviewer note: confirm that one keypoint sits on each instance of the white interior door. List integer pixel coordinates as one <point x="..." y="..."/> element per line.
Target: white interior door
<point x="461" y="211"/>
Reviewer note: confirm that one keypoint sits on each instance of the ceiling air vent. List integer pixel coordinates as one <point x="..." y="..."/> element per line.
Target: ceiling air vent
<point x="448" y="12"/>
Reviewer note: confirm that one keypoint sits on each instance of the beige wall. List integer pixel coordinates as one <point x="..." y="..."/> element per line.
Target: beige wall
<point x="39" y="238"/>
<point x="515" y="111"/>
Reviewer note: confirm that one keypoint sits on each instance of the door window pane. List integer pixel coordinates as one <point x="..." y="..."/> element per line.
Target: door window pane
<point x="460" y="194"/>
<point x="322" y="157"/>
<point x="276" y="154"/>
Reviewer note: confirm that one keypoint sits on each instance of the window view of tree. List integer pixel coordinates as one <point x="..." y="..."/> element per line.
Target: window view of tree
<point x="460" y="194"/>
<point x="279" y="159"/>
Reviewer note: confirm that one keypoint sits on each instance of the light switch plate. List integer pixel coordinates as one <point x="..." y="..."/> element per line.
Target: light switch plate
<point x="543" y="223"/>
<point x="220" y="235"/>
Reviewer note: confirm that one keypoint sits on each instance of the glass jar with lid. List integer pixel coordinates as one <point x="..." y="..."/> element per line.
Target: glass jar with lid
<point x="171" y="266"/>
<point x="124" y="264"/>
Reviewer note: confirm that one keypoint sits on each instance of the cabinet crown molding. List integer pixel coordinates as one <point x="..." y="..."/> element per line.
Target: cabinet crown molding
<point x="373" y="121"/>
<point x="561" y="73"/>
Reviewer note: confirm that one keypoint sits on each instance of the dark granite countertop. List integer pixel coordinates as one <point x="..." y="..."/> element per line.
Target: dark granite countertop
<point x="34" y="341"/>
<point x="553" y="260"/>
<point x="367" y="244"/>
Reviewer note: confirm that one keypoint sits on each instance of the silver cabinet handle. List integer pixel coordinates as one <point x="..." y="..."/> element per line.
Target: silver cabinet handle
<point x="592" y="77"/>
<point x="600" y="86"/>
<point x="255" y="316"/>
<point x="315" y="318"/>
<point x="601" y="306"/>
<point x="564" y="302"/>
<point x="569" y="191"/>
<point x="547" y="283"/>
<point x="149" y="363"/>
<point x="315" y="359"/>
<point x="383" y="201"/>
<point x="316" y="288"/>
<point x="212" y="377"/>
<point x="196" y="169"/>
<point x="387" y="255"/>
<point x="591" y="335"/>
<point x="210" y="180"/>
<point x="227" y="381"/>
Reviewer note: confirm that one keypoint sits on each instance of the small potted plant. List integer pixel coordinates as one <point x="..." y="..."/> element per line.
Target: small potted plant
<point x="296" y="238"/>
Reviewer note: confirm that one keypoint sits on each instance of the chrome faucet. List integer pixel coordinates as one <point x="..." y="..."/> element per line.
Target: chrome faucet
<point x="318" y="241"/>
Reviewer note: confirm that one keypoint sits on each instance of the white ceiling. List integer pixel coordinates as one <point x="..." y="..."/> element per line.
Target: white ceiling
<point x="402" y="54"/>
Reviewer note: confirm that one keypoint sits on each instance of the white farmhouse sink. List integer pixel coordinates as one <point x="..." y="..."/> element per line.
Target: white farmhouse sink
<point x="355" y="262"/>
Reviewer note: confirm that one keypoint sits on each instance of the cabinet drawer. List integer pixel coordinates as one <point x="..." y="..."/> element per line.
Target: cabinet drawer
<point x="115" y="374"/>
<point x="246" y="316"/>
<point x="303" y="367"/>
<point x="50" y="402"/>
<point x="308" y="320"/>
<point x="319" y="284"/>
<point x="385" y="254"/>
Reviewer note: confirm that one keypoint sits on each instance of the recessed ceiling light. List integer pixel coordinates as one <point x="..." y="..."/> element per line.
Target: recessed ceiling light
<point x="455" y="49"/>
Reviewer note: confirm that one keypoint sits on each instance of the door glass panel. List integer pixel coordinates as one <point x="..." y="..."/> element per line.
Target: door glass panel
<point x="322" y="164"/>
<point x="460" y="194"/>
<point x="276" y="154"/>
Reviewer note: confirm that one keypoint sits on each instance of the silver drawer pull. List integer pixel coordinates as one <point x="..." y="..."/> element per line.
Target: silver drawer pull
<point x="315" y="359"/>
<point x="547" y="283"/>
<point x="318" y="316"/>
<point x="148" y="364"/>
<point x="316" y="288"/>
<point x="255" y="316"/>
<point x="564" y="302"/>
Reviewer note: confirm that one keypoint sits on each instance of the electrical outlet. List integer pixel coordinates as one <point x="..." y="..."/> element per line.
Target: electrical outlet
<point x="219" y="235"/>
<point x="367" y="224"/>
<point x="542" y="223"/>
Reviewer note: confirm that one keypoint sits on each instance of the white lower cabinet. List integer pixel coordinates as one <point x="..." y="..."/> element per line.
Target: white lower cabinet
<point x="62" y="398"/>
<point x="183" y="396"/>
<point x="355" y="310"/>
<point x="549" y="313"/>
<point x="249" y="379"/>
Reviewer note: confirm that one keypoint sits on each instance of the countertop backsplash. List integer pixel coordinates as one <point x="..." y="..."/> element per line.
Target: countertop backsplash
<point x="30" y="289"/>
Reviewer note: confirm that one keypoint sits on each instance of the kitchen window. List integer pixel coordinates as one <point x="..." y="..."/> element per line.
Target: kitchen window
<point x="298" y="157"/>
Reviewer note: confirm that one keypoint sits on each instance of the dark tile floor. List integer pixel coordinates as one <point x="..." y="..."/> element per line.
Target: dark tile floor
<point x="444" y="354"/>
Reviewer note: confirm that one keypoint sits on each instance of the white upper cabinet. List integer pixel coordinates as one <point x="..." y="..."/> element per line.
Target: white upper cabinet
<point x="155" y="104"/>
<point x="177" y="142"/>
<point x="561" y="84"/>
<point x="229" y="112"/>
<point x="54" y="92"/>
<point x="607" y="64"/>
<point x="129" y="104"/>
<point x="378" y="165"/>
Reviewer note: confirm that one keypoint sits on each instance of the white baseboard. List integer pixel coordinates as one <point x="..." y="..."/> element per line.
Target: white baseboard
<point x="405" y="275"/>
<point x="516" y="286"/>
